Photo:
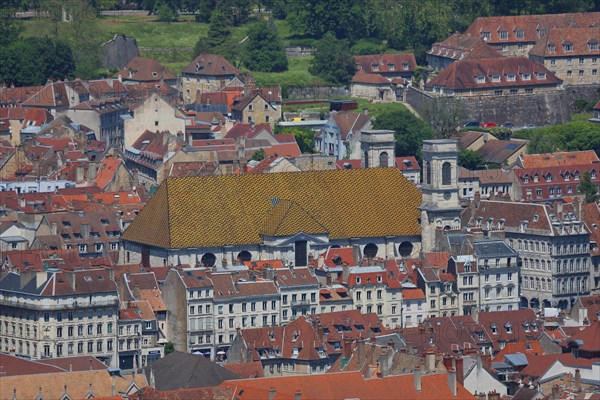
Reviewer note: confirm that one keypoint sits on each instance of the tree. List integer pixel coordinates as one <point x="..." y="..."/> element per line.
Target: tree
<point x="10" y="28"/>
<point x="445" y="115"/>
<point x="470" y="159"/>
<point x="166" y="14"/>
<point x="264" y="49"/>
<point x="587" y="188"/>
<point x="259" y="155"/>
<point x="332" y="60"/>
<point x="203" y="10"/>
<point x="169" y="348"/>
<point x="344" y="19"/>
<point x="409" y="131"/>
<point x="305" y="138"/>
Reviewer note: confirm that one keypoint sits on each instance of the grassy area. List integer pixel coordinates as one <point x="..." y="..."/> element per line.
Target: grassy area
<point x="296" y="75"/>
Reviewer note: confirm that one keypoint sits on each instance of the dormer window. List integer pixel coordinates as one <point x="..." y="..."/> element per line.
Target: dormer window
<point x="541" y="75"/>
<point x="486" y="35"/>
<point x="576" y="176"/>
<point x="534" y="326"/>
<point x="495" y="78"/>
<point x="375" y="67"/>
<point x="405" y="67"/>
<point x="567" y="176"/>
<point x="480" y="79"/>
<point x="526" y="327"/>
<point x="568" y="47"/>
<point x="593" y="45"/>
<point x="494" y="328"/>
<point x="508" y="327"/>
<point x="593" y="174"/>
<point x="392" y="67"/>
<point x="358" y="280"/>
<point x="526" y="179"/>
<point x="536" y="218"/>
<point x="379" y="278"/>
<point x="520" y="34"/>
<point x="511" y="77"/>
<point x="503" y="35"/>
<point x="551" y="48"/>
<point x="535" y="178"/>
<point x="526" y="76"/>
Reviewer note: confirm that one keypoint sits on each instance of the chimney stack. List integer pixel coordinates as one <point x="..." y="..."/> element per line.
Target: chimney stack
<point x="452" y="381"/>
<point x="577" y="378"/>
<point x="460" y="374"/>
<point x="272" y="393"/>
<point x="417" y="378"/>
<point x="298" y="395"/>
<point x="493" y="395"/>
<point x="429" y="361"/>
<point x="448" y="362"/>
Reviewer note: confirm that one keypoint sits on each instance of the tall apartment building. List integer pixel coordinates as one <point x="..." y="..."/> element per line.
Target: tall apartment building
<point x="53" y="314"/>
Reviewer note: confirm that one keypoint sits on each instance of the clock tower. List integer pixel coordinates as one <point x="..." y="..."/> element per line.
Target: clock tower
<point x="440" y="208"/>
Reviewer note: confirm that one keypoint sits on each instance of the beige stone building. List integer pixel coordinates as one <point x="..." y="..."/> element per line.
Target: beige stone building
<point x="572" y="54"/>
<point x="371" y="86"/>
<point x="154" y="114"/>
<point x="206" y="73"/>
<point x="54" y="314"/>
<point x="256" y="109"/>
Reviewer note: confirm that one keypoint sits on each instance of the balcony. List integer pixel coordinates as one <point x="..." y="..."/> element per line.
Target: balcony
<point x="298" y="303"/>
<point x="39" y="306"/>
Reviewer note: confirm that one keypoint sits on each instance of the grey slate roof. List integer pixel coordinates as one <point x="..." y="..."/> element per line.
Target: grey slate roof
<point x="493" y="249"/>
<point x="184" y="371"/>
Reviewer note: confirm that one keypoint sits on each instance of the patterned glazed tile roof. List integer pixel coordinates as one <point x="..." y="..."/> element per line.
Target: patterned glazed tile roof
<point x="351" y="203"/>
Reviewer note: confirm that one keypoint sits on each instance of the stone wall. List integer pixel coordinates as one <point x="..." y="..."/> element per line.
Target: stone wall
<point x="119" y="51"/>
<point x="544" y="108"/>
<point x="588" y="92"/>
<point x="317" y="92"/>
<point x="299" y="51"/>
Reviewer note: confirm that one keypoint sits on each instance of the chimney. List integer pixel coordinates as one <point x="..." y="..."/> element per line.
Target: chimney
<point x="476" y="199"/>
<point x="567" y="379"/>
<point x="272" y="393"/>
<point x="460" y="373"/>
<point x="417" y="378"/>
<point x="348" y="348"/>
<point x="577" y="378"/>
<point x="329" y="279"/>
<point x="298" y="395"/>
<point x="577" y="206"/>
<point x="452" y="381"/>
<point x="345" y="273"/>
<point x="493" y="395"/>
<point x="448" y="362"/>
<point x="486" y="360"/>
<point x="360" y="351"/>
<point x="555" y="392"/>
<point x="475" y="315"/>
<point x="429" y="361"/>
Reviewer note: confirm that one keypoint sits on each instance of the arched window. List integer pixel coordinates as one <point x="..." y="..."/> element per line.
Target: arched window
<point x="446" y="173"/>
<point x="244" y="255"/>
<point x="370" y="250"/>
<point x="208" y="260"/>
<point x="383" y="159"/>
<point x="405" y="249"/>
<point x="366" y="159"/>
<point x="428" y="173"/>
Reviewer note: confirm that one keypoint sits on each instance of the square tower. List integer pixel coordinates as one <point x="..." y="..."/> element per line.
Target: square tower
<point x="440" y="207"/>
<point x="377" y="148"/>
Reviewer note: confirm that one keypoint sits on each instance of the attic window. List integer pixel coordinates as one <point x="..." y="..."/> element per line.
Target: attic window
<point x="520" y="34"/>
<point x="66" y="223"/>
<point x="503" y="35"/>
<point x="480" y="79"/>
<point x="541" y="75"/>
<point x="405" y="67"/>
<point x="154" y="74"/>
<point x="536" y="218"/>
<point x="508" y="327"/>
<point x="568" y="47"/>
<point x="486" y="35"/>
<point x="494" y="328"/>
<point x="495" y="78"/>
<point x="87" y="278"/>
<point x="511" y="77"/>
<point x="526" y="76"/>
<point x="379" y="278"/>
<point x="358" y="279"/>
<point x="392" y="67"/>
<point x="104" y="221"/>
<point x="551" y="48"/>
<point x="593" y="45"/>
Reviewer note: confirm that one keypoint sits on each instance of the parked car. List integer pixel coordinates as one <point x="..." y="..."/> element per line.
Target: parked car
<point x="472" y="124"/>
<point x="507" y="125"/>
<point x="529" y="126"/>
<point x="489" y="125"/>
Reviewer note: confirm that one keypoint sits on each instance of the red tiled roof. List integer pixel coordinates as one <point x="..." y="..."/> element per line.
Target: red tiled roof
<point x="144" y="69"/>
<point x="459" y="46"/>
<point x="407" y="163"/>
<point x="211" y="65"/>
<point x="129" y="313"/>
<point x="462" y="75"/>
<point x="247" y="370"/>
<point x="538" y="365"/>
<point x="372" y="79"/>
<point x="107" y="171"/>
<point x="531" y="25"/>
<point x="531" y="347"/>
<point x="558" y="159"/>
<point x="556" y="39"/>
<point x="259" y="265"/>
<point x="386" y="63"/>
<point x="588" y="338"/>
<point x="14" y="366"/>
<point x="284" y="150"/>
<point x="52" y="95"/>
<point x="592" y="304"/>
<point x="413" y="294"/>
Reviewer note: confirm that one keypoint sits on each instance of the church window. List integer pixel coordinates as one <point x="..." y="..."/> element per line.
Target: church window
<point x="446" y="173"/>
<point x="383" y="159"/>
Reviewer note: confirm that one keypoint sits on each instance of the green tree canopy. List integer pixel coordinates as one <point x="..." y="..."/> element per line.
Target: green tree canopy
<point x="445" y="115"/>
<point x="264" y="49"/>
<point x="409" y="131"/>
<point x="572" y="136"/>
<point x="305" y="138"/>
<point x="259" y="155"/>
<point x="219" y="39"/>
<point x="332" y="60"/>
<point x="32" y="61"/>
<point x="169" y="348"/>
<point x="470" y="159"/>
<point x="587" y="188"/>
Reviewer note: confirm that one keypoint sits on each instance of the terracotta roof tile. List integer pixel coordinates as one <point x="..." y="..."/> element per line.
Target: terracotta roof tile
<point x="144" y="69"/>
<point x="369" y="78"/>
<point x="559" y="159"/>
<point x="387" y="63"/>
<point x="210" y="65"/>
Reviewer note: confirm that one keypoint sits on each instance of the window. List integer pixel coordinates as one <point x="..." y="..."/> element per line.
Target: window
<point x="551" y="48"/>
<point x="250" y="107"/>
<point x="486" y="35"/>
<point x="405" y="67"/>
<point x="581" y="60"/>
<point x="528" y="91"/>
<point x="511" y="77"/>
<point x="568" y="47"/>
<point x="526" y="76"/>
<point x="480" y="79"/>
<point x="581" y="72"/>
<point x="594" y="72"/>
<point x="495" y="78"/>
<point x="503" y="35"/>
<point x="446" y="173"/>
<point x="593" y="46"/>
<point x="520" y="34"/>
<point x="553" y="61"/>
<point x="569" y="61"/>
